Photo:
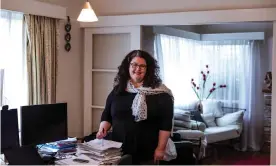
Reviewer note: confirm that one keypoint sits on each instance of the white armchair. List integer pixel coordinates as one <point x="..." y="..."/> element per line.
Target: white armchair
<point x="217" y="123"/>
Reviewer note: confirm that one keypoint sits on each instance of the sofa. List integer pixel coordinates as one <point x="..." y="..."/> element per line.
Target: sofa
<point x="215" y="124"/>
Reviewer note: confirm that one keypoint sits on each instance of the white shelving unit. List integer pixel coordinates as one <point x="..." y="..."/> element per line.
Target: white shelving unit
<point x="105" y="48"/>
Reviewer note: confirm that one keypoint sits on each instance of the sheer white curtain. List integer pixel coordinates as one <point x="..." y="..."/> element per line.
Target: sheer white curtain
<point x="12" y="59"/>
<point x="234" y="63"/>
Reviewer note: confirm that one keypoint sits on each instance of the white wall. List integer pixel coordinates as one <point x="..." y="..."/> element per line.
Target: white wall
<point x="148" y="39"/>
<point x="37" y="8"/>
<point x="119" y="7"/>
<point x="189" y="28"/>
<point x="70" y="78"/>
<point x="266" y="27"/>
<point x="270" y="48"/>
<point x="237" y="27"/>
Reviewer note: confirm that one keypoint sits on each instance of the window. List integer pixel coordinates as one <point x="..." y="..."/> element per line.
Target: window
<point x="182" y="59"/>
<point x="13" y="80"/>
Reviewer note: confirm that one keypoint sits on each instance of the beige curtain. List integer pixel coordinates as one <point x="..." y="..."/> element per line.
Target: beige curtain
<point x="42" y="50"/>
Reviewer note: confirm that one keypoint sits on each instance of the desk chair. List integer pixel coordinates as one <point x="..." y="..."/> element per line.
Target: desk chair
<point x="185" y="152"/>
<point x="9" y="129"/>
<point x="125" y="160"/>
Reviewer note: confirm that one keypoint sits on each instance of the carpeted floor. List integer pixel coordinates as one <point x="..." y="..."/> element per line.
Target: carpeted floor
<point x="228" y="156"/>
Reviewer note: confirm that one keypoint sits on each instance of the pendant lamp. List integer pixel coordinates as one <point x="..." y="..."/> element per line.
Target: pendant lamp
<point x="87" y="14"/>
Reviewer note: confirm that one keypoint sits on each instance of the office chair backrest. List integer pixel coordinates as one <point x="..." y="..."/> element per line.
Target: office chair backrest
<point x="9" y="129"/>
<point x="125" y="160"/>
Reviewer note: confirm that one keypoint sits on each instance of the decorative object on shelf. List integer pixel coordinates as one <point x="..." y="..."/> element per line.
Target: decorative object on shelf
<point x="200" y="88"/>
<point x="266" y="141"/>
<point x="87" y="14"/>
<point x="67" y="36"/>
<point x="267" y="85"/>
<point x="267" y="91"/>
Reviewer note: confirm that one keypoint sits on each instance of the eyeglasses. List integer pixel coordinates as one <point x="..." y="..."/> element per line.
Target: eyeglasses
<point x="135" y="65"/>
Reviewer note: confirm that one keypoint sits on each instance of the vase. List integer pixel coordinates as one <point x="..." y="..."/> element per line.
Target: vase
<point x="199" y="107"/>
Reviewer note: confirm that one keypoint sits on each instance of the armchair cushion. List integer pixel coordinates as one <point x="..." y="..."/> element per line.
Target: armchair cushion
<point x="216" y="134"/>
<point x="212" y="107"/>
<point x="235" y="118"/>
<point x="209" y="119"/>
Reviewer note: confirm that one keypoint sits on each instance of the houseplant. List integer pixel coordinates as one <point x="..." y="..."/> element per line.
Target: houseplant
<point x="200" y="88"/>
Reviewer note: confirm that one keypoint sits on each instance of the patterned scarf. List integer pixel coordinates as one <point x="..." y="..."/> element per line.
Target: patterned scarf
<point x="139" y="105"/>
<point x="140" y="111"/>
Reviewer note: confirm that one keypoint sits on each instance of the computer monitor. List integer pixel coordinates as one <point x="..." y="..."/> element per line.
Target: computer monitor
<point x="43" y="123"/>
<point x="9" y="130"/>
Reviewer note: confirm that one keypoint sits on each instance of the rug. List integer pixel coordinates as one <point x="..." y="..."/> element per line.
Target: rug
<point x="253" y="160"/>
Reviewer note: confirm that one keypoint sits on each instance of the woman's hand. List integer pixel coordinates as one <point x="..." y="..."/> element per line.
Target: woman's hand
<point x="158" y="155"/>
<point x="104" y="127"/>
<point x="161" y="147"/>
<point x="101" y="133"/>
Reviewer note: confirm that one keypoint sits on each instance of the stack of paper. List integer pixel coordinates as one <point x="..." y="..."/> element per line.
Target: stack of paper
<point x="102" y="151"/>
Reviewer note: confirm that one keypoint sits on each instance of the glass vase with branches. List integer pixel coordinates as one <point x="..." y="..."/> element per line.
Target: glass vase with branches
<point x="199" y="89"/>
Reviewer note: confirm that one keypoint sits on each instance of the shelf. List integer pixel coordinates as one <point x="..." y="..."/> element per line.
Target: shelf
<point x="267" y="91"/>
<point x="97" y="106"/>
<point x="105" y="70"/>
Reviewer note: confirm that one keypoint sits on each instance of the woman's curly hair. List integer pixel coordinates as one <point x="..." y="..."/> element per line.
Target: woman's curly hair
<point x="151" y="79"/>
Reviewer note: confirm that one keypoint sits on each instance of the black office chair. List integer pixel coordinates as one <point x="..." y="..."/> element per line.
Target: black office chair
<point x="184" y="149"/>
<point x="125" y="160"/>
<point x="9" y="129"/>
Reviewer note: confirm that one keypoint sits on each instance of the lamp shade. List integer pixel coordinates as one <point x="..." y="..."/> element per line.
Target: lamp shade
<point x="87" y="14"/>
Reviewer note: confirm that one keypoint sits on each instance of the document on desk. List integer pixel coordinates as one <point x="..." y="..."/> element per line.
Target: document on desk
<point x="82" y="149"/>
<point x="70" y="161"/>
<point x="103" y="145"/>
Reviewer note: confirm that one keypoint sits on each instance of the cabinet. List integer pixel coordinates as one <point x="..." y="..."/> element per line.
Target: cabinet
<point x="267" y="123"/>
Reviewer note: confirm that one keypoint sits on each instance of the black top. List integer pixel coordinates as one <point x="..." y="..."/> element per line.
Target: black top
<point x="140" y="139"/>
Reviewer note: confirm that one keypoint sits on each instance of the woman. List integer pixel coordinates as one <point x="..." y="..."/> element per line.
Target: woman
<point x="139" y="109"/>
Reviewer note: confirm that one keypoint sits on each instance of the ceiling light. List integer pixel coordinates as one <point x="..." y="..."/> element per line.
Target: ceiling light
<point x="87" y="14"/>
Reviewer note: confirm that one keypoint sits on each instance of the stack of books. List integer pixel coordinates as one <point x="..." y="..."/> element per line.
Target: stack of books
<point x="67" y="146"/>
<point x="104" y="152"/>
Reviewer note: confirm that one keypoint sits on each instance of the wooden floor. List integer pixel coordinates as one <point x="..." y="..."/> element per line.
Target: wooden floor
<point x="229" y="156"/>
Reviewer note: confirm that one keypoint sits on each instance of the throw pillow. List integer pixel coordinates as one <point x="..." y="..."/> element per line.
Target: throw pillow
<point x="235" y="118"/>
<point x="209" y="119"/>
<point x="188" y="105"/>
<point x="180" y="114"/>
<point x="182" y="117"/>
<point x="214" y="107"/>
<point x="180" y="123"/>
<point x="176" y="128"/>
<point x="195" y="115"/>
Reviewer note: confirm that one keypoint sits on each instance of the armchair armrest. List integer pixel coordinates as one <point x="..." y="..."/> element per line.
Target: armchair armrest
<point x="191" y="134"/>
